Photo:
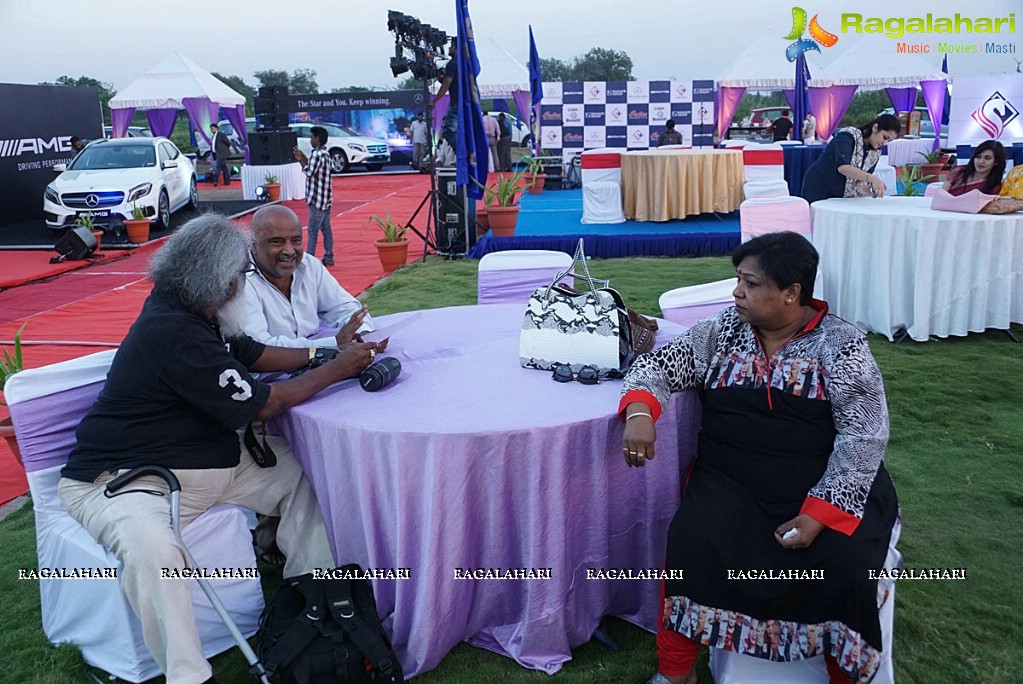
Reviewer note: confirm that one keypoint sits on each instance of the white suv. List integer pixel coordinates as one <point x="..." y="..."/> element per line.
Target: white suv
<point x="346" y="147"/>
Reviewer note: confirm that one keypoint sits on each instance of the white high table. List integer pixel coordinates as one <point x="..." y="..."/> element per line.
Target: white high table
<point x="291" y="178"/>
<point x="893" y="263"/>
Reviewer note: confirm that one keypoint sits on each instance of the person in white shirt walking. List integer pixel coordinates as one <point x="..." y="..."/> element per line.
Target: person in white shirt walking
<point x="418" y="130"/>
<point x="493" y="132"/>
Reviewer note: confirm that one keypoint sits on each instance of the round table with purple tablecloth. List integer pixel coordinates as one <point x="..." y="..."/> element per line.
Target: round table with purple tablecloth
<point x="469" y="462"/>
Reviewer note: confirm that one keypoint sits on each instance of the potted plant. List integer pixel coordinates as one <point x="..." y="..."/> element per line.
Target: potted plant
<point x="482" y="220"/>
<point x="912" y="180"/>
<point x="137" y="226"/>
<point x="501" y="198"/>
<point x="9" y="365"/>
<point x="273" y="187"/>
<point x="89" y="223"/>
<point x="535" y="173"/>
<point x="393" y="247"/>
<point x="932" y="163"/>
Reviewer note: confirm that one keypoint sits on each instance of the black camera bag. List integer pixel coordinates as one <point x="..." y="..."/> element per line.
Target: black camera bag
<point x="320" y="631"/>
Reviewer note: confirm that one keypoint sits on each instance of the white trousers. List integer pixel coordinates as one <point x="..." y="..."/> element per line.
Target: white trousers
<point x="136" y="528"/>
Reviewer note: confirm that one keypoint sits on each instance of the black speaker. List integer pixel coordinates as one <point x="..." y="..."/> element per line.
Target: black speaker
<point x="271" y="148"/>
<point x="77" y="243"/>
<point x="553" y="169"/>
<point x="272" y="108"/>
<point x="455" y="228"/>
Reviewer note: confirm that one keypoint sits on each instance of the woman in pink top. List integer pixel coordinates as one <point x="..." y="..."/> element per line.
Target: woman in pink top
<point x="983" y="172"/>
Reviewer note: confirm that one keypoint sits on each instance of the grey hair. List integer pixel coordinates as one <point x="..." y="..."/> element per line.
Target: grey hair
<point x="200" y="262"/>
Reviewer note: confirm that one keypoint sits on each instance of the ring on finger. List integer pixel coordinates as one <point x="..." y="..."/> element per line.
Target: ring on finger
<point x="372" y="354"/>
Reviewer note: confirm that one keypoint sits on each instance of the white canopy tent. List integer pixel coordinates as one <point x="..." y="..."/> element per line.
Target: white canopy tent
<point x="177" y="83"/>
<point x="763" y="66"/>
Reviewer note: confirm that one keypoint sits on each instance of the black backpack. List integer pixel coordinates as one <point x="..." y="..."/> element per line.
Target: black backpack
<point x="326" y="631"/>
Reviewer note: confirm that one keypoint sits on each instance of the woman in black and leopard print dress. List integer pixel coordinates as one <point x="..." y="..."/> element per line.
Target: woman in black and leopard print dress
<point x="788" y="507"/>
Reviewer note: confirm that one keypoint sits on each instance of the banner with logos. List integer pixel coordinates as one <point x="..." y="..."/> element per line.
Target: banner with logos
<point x="36" y="125"/>
<point x="986" y="107"/>
<point x="582" y="115"/>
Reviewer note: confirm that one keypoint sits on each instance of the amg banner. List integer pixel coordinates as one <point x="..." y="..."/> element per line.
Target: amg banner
<point x="582" y="115"/>
<point x="36" y="125"/>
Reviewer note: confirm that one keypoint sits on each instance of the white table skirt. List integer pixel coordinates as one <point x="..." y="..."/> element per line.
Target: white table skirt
<point x="290" y="176"/>
<point x="906" y="150"/>
<point x="894" y="263"/>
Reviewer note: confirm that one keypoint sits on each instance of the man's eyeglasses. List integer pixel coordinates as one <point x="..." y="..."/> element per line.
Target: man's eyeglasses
<point x="587" y="375"/>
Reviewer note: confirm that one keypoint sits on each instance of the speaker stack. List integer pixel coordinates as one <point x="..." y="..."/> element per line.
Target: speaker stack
<point x="271" y="107"/>
<point x="455" y="228"/>
<point x="271" y="148"/>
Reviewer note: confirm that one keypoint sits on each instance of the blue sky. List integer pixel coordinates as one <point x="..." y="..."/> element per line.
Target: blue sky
<point x="347" y="43"/>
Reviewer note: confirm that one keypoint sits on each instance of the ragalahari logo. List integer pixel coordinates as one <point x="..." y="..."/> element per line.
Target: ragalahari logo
<point x="818" y="36"/>
<point x="995" y="114"/>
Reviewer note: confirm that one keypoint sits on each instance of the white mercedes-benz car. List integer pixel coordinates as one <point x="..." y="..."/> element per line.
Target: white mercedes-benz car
<point x="108" y="177"/>
<point x="346" y="147"/>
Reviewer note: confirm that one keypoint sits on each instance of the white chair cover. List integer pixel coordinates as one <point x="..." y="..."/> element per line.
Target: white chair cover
<point x="886" y="173"/>
<point x="762" y="215"/>
<point x="775" y="187"/>
<point x="687" y="305"/>
<point x="46" y="405"/>
<point x="512" y="275"/>
<point x="601" y="174"/>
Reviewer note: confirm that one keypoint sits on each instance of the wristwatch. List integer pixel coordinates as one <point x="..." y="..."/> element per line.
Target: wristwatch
<point x="312" y="354"/>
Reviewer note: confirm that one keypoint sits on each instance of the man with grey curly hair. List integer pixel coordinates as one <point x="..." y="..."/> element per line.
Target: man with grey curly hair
<point x="176" y="395"/>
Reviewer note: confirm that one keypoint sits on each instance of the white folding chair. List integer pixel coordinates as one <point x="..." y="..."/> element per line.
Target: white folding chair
<point x="46" y="406"/>
<point x="602" y="186"/>
<point x="774" y="187"/>
<point x="762" y="215"/>
<point x="512" y="275"/>
<point x="763" y="161"/>
<point x="687" y="305"/>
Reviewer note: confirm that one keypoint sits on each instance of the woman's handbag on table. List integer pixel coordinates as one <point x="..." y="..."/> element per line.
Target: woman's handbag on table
<point x="564" y="326"/>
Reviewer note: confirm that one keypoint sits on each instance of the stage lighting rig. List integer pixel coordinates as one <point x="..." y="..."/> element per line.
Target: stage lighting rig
<point x="423" y="43"/>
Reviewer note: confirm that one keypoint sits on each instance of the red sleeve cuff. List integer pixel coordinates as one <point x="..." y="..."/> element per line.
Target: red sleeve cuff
<point x="643" y="397"/>
<point x="830" y="515"/>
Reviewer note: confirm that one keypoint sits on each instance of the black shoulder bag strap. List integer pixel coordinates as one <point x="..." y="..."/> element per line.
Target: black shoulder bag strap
<point x="346" y="614"/>
<point x="308" y="625"/>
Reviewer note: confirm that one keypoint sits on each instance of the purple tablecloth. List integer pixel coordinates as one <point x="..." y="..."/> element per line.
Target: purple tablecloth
<point x="469" y="461"/>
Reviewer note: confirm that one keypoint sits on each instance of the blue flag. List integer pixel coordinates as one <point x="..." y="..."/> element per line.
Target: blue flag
<point x="948" y="96"/>
<point x="801" y="97"/>
<point x="471" y="149"/>
<point x="535" y="89"/>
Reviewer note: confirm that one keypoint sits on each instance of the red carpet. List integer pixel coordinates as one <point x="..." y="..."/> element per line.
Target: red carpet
<point x="25" y="266"/>
<point x="94" y="307"/>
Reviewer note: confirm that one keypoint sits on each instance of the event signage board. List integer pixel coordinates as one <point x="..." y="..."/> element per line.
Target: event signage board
<point x="592" y="114"/>
<point x="36" y="125"/>
<point x="986" y="107"/>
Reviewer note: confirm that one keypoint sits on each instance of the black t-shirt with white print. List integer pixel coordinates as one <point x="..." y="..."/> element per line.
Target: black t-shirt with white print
<point x="175" y="396"/>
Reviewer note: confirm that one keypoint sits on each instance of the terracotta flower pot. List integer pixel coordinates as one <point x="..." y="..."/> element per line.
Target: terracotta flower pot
<point x="392" y="254"/>
<point x="931" y="170"/>
<point x="503" y="220"/>
<point x="7" y="432"/>
<point x="273" y="191"/>
<point x="537" y="186"/>
<point x="98" y="234"/>
<point x="482" y="220"/>
<point x="138" y="230"/>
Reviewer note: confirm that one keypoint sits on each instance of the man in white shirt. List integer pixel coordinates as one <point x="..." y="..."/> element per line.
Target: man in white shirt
<point x="291" y="300"/>
<point x="493" y="132"/>
<point x="418" y="130"/>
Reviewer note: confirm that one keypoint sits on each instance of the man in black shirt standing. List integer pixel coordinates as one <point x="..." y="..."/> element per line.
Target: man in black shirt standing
<point x="782" y="126"/>
<point x="176" y="395"/>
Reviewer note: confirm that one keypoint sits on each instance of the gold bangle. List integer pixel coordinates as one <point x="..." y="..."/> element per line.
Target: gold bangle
<point x="638" y="413"/>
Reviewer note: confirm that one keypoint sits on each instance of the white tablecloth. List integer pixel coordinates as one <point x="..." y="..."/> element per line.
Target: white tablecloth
<point x="894" y="263"/>
<point x="290" y="176"/>
<point x="904" y="151"/>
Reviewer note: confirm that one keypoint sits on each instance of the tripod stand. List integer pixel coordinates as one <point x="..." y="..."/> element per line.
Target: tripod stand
<point x="448" y="243"/>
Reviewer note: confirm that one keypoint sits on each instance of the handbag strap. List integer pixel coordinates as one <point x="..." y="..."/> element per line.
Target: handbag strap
<point x="580" y="257"/>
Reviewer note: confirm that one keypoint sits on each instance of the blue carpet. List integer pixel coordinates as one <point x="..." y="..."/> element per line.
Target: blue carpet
<point x="552" y="220"/>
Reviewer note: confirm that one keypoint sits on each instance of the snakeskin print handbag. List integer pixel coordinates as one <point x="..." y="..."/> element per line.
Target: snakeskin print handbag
<point x="566" y="326"/>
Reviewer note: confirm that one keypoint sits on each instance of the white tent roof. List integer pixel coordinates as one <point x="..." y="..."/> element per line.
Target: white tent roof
<point x="763" y="66"/>
<point x="166" y="84"/>
<point x="873" y="65"/>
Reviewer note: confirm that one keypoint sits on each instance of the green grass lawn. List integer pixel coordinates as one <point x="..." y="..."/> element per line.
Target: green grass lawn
<point x="956" y="456"/>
